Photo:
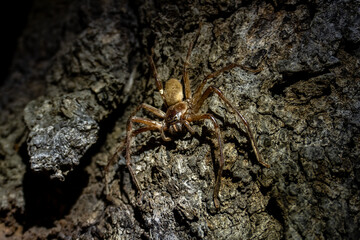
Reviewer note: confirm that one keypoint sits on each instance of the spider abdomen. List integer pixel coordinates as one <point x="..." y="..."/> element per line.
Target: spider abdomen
<point x="173" y="92"/>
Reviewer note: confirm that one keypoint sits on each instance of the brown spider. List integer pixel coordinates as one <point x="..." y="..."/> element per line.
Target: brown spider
<point x="180" y="113"/>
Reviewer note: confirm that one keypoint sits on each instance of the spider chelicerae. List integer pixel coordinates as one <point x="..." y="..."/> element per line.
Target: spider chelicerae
<point x="180" y="114"/>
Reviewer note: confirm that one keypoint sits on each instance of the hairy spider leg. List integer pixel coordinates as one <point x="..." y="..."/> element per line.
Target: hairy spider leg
<point x="119" y="149"/>
<point x="192" y="118"/>
<point x="113" y="158"/>
<point x="188" y="126"/>
<point x="199" y="89"/>
<point x="151" y="125"/>
<point x="188" y="94"/>
<point x="206" y="94"/>
<point x="121" y="146"/>
<point x="151" y="109"/>
<point x="159" y="84"/>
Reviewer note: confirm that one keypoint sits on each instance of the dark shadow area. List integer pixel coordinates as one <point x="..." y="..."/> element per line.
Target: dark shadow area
<point x="181" y="219"/>
<point x="351" y="47"/>
<point x="47" y="200"/>
<point x="292" y="78"/>
<point x="274" y="210"/>
<point x="13" y="20"/>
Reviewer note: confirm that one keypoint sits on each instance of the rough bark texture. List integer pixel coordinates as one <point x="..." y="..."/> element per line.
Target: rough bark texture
<point x="81" y="68"/>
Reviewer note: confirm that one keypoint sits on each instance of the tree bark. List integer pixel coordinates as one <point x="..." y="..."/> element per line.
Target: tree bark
<point x="81" y="68"/>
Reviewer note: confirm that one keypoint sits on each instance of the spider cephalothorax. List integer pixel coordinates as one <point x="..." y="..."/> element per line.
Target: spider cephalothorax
<point x="180" y="113"/>
<point x="177" y="109"/>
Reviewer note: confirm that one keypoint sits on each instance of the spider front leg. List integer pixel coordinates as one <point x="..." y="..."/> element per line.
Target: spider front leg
<point x="200" y="101"/>
<point x="199" y="89"/>
<point x="118" y="151"/>
<point x="121" y="146"/>
<point x="159" y="84"/>
<point x="193" y="118"/>
<point x="130" y="133"/>
<point x="186" y="64"/>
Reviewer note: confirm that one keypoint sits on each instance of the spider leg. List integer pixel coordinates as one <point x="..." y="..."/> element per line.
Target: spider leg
<point x="163" y="136"/>
<point x="130" y="133"/>
<point x="188" y="127"/>
<point x="186" y="64"/>
<point x="112" y="160"/>
<point x="119" y="149"/>
<point x="206" y="94"/>
<point x="158" y="113"/>
<point x="121" y="146"/>
<point x="199" y="89"/>
<point x="159" y="84"/>
<point x="192" y="118"/>
<point x="151" y="109"/>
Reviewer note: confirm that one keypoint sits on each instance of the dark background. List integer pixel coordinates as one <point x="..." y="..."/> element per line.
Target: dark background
<point x="13" y="20"/>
